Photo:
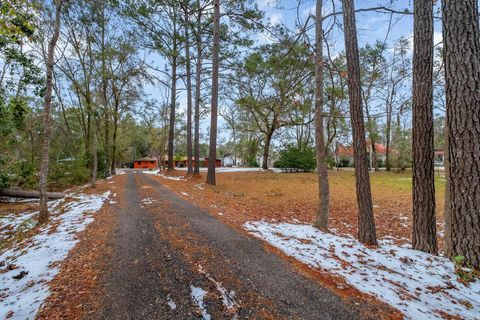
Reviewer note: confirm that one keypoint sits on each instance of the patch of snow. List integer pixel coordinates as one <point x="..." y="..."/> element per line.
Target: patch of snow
<point x="184" y="193"/>
<point x="198" y="294"/>
<point x="13" y="222"/>
<point x="418" y="284"/>
<point x="228" y="298"/>
<point x="171" y="303"/>
<point x="148" y="201"/>
<point x="228" y="169"/>
<point x="200" y="186"/>
<point x="40" y="255"/>
<point x="220" y="213"/>
<point x="157" y="173"/>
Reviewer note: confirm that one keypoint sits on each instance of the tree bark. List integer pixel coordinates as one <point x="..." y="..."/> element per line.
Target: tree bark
<point x="424" y="234"/>
<point x="366" y="221"/>
<point x="171" y="128"/>
<point x="388" y="133"/>
<point x="114" y="138"/>
<point x="461" y="37"/>
<point x="321" y="220"/>
<point x="212" y="154"/>
<point x="30" y="194"/>
<point x="93" y="182"/>
<point x="104" y="96"/>
<point x="189" y="96"/>
<point x="47" y="128"/>
<point x="447" y="216"/>
<point x="198" y="79"/>
<point x="266" y="150"/>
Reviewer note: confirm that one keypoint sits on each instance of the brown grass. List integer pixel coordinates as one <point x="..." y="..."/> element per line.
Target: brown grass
<point x="245" y="196"/>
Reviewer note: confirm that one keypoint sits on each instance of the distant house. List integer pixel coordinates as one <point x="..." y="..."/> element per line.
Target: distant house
<point x="183" y="162"/>
<point x="231" y="161"/>
<point x="145" y="163"/>
<point x="344" y="154"/>
<point x="218" y="163"/>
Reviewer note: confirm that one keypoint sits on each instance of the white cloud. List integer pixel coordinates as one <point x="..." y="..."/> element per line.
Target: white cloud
<point x="275" y="18"/>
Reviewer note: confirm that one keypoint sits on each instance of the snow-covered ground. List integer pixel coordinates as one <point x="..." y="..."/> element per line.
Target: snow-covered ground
<point x="418" y="284"/>
<point x="198" y="296"/>
<point x="158" y="173"/>
<point x="37" y="258"/>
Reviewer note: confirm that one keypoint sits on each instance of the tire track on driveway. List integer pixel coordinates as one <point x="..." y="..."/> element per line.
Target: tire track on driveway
<point x="265" y="286"/>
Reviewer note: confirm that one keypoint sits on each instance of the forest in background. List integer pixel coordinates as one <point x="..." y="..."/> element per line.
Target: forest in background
<point x="105" y="65"/>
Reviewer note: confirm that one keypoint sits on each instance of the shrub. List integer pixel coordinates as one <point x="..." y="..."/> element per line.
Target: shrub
<point x="298" y="158"/>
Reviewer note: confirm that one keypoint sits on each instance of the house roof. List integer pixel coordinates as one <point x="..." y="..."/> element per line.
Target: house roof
<point x="344" y="151"/>
<point x="348" y="151"/>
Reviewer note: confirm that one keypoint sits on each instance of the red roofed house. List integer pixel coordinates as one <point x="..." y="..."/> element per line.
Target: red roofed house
<point x="344" y="155"/>
<point x="218" y="163"/>
<point x="145" y="163"/>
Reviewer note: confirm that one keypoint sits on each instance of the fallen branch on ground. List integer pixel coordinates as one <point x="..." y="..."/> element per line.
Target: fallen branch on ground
<point x="29" y="194"/>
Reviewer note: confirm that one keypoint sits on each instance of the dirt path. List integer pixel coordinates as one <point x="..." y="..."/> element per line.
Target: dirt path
<point x="167" y="253"/>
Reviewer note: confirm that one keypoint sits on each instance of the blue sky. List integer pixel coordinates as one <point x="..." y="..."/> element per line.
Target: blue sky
<point x="371" y="26"/>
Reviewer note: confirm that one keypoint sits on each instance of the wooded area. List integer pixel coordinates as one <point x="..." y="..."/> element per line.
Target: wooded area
<point x="76" y="102"/>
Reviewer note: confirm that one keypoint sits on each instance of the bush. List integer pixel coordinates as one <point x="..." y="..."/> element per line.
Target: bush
<point x="298" y="158"/>
<point x="252" y="162"/>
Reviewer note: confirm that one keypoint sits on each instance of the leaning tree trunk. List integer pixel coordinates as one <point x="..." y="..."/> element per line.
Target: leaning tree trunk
<point x="321" y="220"/>
<point x="173" y="102"/>
<point x="366" y="221"/>
<point x="424" y="234"/>
<point x="47" y="127"/>
<point x="198" y="79"/>
<point x="461" y="38"/>
<point x="212" y="154"/>
<point x="189" y="96"/>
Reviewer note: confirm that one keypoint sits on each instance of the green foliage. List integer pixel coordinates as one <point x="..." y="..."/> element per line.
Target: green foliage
<point x="298" y="158"/>
<point x="465" y="273"/>
<point x="63" y="174"/>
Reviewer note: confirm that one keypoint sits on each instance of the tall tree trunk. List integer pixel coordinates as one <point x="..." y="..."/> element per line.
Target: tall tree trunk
<point x="388" y="134"/>
<point x="234" y="136"/>
<point x="321" y="220"/>
<point x="198" y="80"/>
<point x="114" y="139"/>
<point x="462" y="74"/>
<point x="47" y="127"/>
<point x="93" y="182"/>
<point x="447" y="216"/>
<point x="424" y="235"/>
<point x="104" y="96"/>
<point x="189" y="96"/>
<point x="212" y="154"/>
<point x="266" y="150"/>
<point x="366" y="221"/>
<point x="173" y="102"/>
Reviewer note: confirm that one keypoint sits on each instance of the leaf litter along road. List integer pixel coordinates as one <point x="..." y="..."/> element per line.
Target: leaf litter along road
<point x="172" y="260"/>
<point x="152" y="255"/>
